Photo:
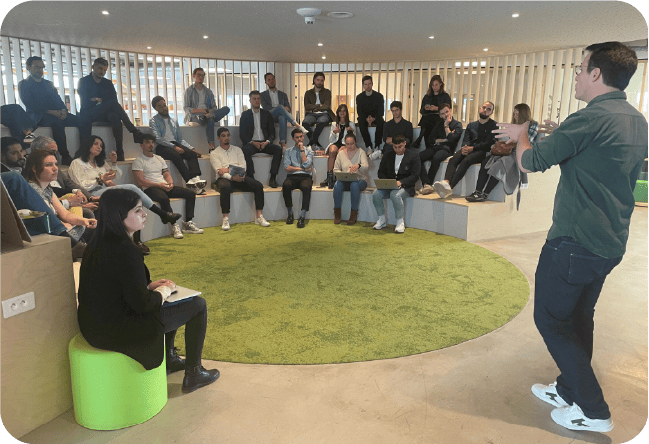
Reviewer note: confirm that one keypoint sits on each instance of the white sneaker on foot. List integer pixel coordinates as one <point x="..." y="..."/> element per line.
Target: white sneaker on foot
<point x="176" y="231"/>
<point x="401" y="226"/>
<point x="380" y="223"/>
<point x="193" y="180"/>
<point x="442" y="189"/>
<point x="548" y="393"/>
<point x="301" y="128"/>
<point x="261" y="221"/>
<point x="571" y="417"/>
<point x="376" y="154"/>
<point x="226" y="224"/>
<point x="190" y="227"/>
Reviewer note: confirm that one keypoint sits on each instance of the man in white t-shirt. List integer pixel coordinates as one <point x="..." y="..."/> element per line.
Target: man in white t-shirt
<point x="151" y="174"/>
<point x="229" y="165"/>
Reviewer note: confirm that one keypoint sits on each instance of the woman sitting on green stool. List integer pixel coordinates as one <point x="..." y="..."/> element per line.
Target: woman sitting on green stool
<point x="121" y="310"/>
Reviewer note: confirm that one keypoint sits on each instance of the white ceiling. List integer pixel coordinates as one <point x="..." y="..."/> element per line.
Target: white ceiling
<point x="378" y="31"/>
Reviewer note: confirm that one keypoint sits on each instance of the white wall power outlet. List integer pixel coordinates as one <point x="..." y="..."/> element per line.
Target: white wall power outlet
<point x="19" y="304"/>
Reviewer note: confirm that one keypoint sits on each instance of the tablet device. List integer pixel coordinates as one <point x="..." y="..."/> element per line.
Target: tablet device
<point x="386" y="184"/>
<point x="181" y="293"/>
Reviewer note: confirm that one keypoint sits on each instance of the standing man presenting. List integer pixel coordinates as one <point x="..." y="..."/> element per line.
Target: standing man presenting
<point x="99" y="102"/>
<point x="600" y="150"/>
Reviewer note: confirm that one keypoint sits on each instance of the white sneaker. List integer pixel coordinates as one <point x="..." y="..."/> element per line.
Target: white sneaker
<point x="301" y="128"/>
<point x="376" y="154"/>
<point x="177" y="233"/>
<point x="190" y="227"/>
<point x="380" y="223"/>
<point x="401" y="226"/>
<point x="549" y="394"/>
<point x="441" y="189"/>
<point x="193" y="180"/>
<point x="226" y="224"/>
<point x="261" y="221"/>
<point x="573" y="418"/>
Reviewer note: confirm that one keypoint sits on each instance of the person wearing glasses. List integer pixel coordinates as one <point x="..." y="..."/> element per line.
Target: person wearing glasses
<point x="600" y="150"/>
<point x="200" y="106"/>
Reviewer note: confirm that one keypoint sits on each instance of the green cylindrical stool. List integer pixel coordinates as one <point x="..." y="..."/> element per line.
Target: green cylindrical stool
<point x="110" y="390"/>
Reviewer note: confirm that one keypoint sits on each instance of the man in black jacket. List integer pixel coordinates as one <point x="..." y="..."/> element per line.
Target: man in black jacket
<point x="444" y="138"/>
<point x="257" y="131"/>
<point x="369" y="106"/>
<point x="478" y="140"/>
<point x="402" y="165"/>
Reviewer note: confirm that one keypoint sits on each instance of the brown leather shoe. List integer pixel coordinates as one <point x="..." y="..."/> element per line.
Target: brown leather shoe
<point x="352" y="217"/>
<point x="337" y="215"/>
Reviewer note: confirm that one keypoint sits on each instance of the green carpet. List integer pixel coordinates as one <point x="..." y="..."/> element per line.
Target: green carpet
<point x="328" y="294"/>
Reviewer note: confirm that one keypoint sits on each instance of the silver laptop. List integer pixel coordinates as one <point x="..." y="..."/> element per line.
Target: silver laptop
<point x="181" y="293"/>
<point x="347" y="177"/>
<point x="386" y="184"/>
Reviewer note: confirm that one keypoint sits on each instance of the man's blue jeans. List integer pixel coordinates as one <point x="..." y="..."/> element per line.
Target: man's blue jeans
<point x="281" y="116"/>
<point x="209" y="123"/>
<point x="568" y="281"/>
<point x="396" y="196"/>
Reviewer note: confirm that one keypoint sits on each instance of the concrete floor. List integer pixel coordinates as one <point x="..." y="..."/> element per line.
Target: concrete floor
<point x="475" y="392"/>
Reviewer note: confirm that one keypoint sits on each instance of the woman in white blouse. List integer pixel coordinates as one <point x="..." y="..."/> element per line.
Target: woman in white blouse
<point x="91" y="170"/>
<point x="350" y="159"/>
<point x="336" y="142"/>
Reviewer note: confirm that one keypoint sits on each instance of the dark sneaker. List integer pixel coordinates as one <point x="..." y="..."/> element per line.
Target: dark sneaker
<point x="290" y="219"/>
<point x="198" y="377"/>
<point x="301" y="222"/>
<point x="476" y="196"/>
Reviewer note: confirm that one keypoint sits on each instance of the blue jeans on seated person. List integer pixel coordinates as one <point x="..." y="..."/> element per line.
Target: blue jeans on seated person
<point x="281" y="116"/>
<point x="25" y="197"/>
<point x="16" y="119"/>
<point x="354" y="187"/>
<point x="396" y="196"/>
<point x="568" y="281"/>
<point x="209" y="123"/>
<point x="146" y="200"/>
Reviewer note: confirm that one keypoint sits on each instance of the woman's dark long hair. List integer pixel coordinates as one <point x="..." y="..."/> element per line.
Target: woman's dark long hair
<point x="341" y="106"/>
<point x="34" y="164"/>
<point x="84" y="151"/>
<point x="114" y="206"/>
<point x="430" y="85"/>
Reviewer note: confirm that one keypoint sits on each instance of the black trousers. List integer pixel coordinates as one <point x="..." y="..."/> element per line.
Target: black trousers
<point x="113" y="113"/>
<point x="191" y="312"/>
<point x="162" y="197"/>
<point x="189" y="171"/>
<point x="58" y="129"/>
<point x="294" y="181"/>
<point x="378" y="137"/>
<point x="459" y="165"/>
<point x="436" y="156"/>
<point x="272" y="149"/>
<point x="486" y="183"/>
<point x="226" y="187"/>
<point x="16" y="119"/>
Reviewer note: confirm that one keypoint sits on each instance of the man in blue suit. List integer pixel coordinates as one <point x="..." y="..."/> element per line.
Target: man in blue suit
<point x="276" y="102"/>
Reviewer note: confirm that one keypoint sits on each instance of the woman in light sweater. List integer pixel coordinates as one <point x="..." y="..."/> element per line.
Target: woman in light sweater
<point x="350" y="159"/>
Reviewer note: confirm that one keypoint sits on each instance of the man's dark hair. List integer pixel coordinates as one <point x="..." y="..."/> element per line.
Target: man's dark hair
<point x="6" y="142"/>
<point x="447" y="105"/>
<point x="100" y="61"/>
<point x="32" y="59"/>
<point x="221" y="131"/>
<point x="83" y="152"/>
<point x="155" y="100"/>
<point x="147" y="137"/>
<point x="396" y="104"/>
<point x="196" y="70"/>
<point x="295" y="131"/>
<point x="268" y="74"/>
<point x="366" y="78"/>
<point x="318" y="74"/>
<point x="399" y="138"/>
<point x="616" y="61"/>
<point x="254" y="93"/>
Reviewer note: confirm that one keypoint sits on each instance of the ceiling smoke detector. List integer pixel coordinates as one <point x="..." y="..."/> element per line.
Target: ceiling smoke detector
<point x="308" y="14"/>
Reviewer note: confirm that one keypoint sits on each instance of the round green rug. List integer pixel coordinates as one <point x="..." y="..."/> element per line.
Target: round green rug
<point x="332" y="293"/>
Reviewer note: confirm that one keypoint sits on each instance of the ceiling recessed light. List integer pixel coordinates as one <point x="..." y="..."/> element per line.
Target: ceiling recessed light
<point x="324" y="57"/>
<point x="431" y="37"/>
<point x="105" y="12"/>
<point x="319" y="44"/>
<point x="515" y="15"/>
<point x="148" y="47"/>
<point x="485" y="49"/>
<point x="206" y="36"/>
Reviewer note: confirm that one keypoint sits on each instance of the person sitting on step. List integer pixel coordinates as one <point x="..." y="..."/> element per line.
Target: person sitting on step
<point x="172" y="146"/>
<point x="298" y="162"/>
<point x="350" y="159"/>
<point x="229" y="165"/>
<point x="336" y="142"/>
<point x="276" y="102"/>
<point x="152" y="175"/>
